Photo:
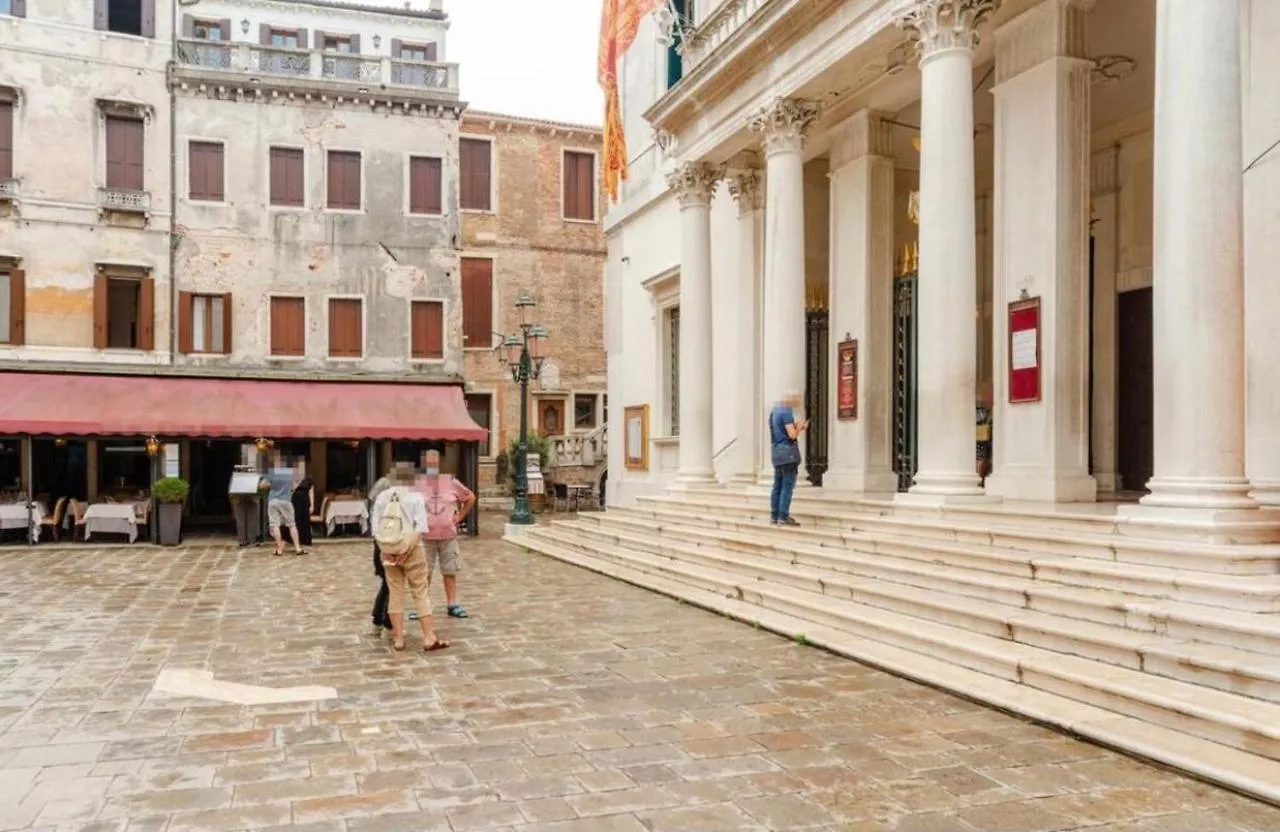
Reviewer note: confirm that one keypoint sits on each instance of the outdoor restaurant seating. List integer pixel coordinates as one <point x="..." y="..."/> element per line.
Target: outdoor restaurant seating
<point x="55" y="522"/>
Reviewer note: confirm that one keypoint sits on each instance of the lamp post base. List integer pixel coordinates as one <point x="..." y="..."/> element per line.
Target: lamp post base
<point x="520" y="514"/>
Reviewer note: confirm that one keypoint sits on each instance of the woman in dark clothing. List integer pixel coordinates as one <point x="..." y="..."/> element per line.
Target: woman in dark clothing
<point x="304" y="505"/>
<point x="381" y="620"/>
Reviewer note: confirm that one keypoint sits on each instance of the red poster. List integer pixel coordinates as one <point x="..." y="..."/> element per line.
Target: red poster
<point x="1024" y="351"/>
<point x="847" y="389"/>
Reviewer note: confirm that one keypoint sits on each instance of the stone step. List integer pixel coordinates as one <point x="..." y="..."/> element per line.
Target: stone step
<point x="1237" y="721"/>
<point x="1234" y="768"/>
<point x="1256" y="593"/>
<point x="1090" y="540"/>
<point x="1179" y="621"/>
<point x="1223" y="667"/>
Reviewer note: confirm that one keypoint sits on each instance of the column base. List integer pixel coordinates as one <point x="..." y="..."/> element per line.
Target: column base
<point x="1265" y="492"/>
<point x="861" y="481"/>
<point x="1040" y="486"/>
<point x="946" y="489"/>
<point x="1215" y="493"/>
<point x="1209" y="510"/>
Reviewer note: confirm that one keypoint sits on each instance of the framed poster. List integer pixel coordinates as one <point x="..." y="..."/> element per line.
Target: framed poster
<point x="847" y="380"/>
<point x="1024" y="351"/>
<point x="635" y="440"/>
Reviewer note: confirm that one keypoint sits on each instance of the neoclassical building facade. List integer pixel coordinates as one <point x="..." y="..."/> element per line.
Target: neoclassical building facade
<point x="1016" y="251"/>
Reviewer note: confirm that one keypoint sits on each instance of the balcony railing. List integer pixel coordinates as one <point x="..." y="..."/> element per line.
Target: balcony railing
<point x="9" y="188"/>
<point x="283" y="62"/>
<point x="124" y="201"/>
<point x="721" y="24"/>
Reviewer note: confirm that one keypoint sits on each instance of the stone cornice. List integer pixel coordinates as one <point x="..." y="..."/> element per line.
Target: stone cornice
<point x="494" y="120"/>
<point x="289" y="91"/>
<point x="1053" y="29"/>
<point x="694" y="183"/>
<point x="784" y="123"/>
<point x="865" y="133"/>
<point x="939" y="25"/>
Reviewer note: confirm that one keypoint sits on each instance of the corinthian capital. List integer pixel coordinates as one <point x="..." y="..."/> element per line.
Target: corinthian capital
<point x="937" y="25"/>
<point x="746" y="186"/>
<point x="784" y="123"/>
<point x="694" y="182"/>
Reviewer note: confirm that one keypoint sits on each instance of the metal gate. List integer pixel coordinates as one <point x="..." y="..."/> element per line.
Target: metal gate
<point x="815" y="397"/>
<point x="904" y="379"/>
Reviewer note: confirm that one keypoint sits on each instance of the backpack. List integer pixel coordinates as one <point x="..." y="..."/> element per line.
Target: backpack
<point x="394" y="529"/>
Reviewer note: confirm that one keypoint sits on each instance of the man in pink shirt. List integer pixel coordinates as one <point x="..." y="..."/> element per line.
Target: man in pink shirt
<point x="448" y="503"/>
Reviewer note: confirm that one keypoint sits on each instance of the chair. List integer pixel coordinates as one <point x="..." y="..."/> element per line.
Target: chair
<point x="55" y="522"/>
<point x="318" y="519"/>
<point x="589" y="498"/>
<point x="78" y="510"/>
<point x="142" y="512"/>
<point x="560" y="499"/>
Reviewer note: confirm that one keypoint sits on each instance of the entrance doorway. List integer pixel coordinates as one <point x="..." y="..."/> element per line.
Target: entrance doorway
<point x="1135" y="455"/>
<point x="212" y="463"/>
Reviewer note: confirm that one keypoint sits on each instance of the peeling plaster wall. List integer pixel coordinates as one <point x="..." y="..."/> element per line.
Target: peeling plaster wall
<point x="251" y="249"/>
<point x="61" y="67"/>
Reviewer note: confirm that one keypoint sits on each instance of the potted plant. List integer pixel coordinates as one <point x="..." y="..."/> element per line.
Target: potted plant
<point x="540" y="447"/>
<point x="170" y="494"/>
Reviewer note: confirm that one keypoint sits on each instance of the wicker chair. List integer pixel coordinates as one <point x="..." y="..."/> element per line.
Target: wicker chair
<point x="54" y="522"/>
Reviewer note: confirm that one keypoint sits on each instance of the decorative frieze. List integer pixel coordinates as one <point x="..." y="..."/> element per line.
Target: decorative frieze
<point x="938" y="25"/>
<point x="865" y="133"/>
<point x="784" y="123"/>
<point x="694" y="183"/>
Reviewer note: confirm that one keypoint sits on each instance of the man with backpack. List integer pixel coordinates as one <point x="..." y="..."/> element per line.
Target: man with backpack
<point x="399" y="525"/>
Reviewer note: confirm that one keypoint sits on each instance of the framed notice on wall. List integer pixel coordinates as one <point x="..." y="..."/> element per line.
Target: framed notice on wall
<point x="635" y="439"/>
<point x="847" y="380"/>
<point x="1024" y="351"/>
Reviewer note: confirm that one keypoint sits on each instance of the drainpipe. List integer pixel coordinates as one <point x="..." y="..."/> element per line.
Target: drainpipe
<point x="173" y="177"/>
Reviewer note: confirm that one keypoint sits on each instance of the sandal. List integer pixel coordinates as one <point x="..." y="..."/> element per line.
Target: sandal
<point x="435" y="645"/>
<point x="398" y="644"/>
<point x="456" y="611"/>
<point x="301" y="552"/>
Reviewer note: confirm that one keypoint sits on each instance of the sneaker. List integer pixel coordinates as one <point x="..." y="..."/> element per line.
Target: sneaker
<point x="789" y="521"/>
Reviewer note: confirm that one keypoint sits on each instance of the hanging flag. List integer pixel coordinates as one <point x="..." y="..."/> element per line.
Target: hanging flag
<point x="619" y="23"/>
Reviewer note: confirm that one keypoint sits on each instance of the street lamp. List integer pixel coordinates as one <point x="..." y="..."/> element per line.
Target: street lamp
<point x="523" y="355"/>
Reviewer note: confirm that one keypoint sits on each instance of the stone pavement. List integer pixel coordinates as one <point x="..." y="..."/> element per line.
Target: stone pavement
<point x="569" y="702"/>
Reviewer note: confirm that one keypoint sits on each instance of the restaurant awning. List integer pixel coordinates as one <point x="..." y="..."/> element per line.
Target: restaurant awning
<point x="100" y="405"/>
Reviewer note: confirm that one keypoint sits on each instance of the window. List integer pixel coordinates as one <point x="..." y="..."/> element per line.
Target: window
<point x="427" y="330"/>
<point x="204" y="171"/>
<point x="477" y="303"/>
<point x="413" y="51"/>
<point x="124" y="153"/>
<point x="479" y="405"/>
<point x="127" y="17"/>
<point x="584" y="411"/>
<point x="344" y="180"/>
<point x="424" y="186"/>
<point x="123" y="310"/>
<point x="210" y="29"/>
<point x="288" y="326"/>
<point x="13" y="297"/>
<point x="673" y="369"/>
<point x="579" y="186"/>
<point x="335" y="43"/>
<point x="204" y="323"/>
<point x="475" y="163"/>
<point x="6" y="139"/>
<point x="289" y="38"/>
<point x="675" y="64"/>
<point x="287" y="177"/>
<point x="346" y="328"/>
<point x="14" y="8"/>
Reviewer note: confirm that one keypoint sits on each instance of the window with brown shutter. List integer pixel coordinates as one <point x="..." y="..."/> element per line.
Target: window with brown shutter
<point x="579" y="186"/>
<point x="287" y="177"/>
<point x="477" y="303"/>
<point x="204" y="323"/>
<point x="6" y="140"/>
<point x="124" y="310"/>
<point x="288" y="326"/>
<point x="344" y="180"/>
<point x="427" y="330"/>
<point x="205" y="171"/>
<point x="346" y="328"/>
<point x="474" y="159"/>
<point x="127" y="17"/>
<point x="480" y="408"/>
<point x="124" y="153"/>
<point x="425" y="185"/>
<point x="13" y="304"/>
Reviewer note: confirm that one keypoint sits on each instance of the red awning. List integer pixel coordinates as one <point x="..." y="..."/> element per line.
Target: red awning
<point x="91" y="405"/>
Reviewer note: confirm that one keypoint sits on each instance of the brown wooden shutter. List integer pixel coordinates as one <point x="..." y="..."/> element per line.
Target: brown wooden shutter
<point x="296" y="177"/>
<point x="302" y="39"/>
<point x="474" y="161"/>
<point x="425" y="186"/>
<point x="355" y="44"/>
<point x="186" y="324"/>
<point x="430" y="50"/>
<point x="288" y="326"/>
<point x="587" y="185"/>
<point x="395" y="47"/>
<point x="147" y="314"/>
<point x="226" y="323"/>
<point x="319" y="39"/>
<point x="483" y="164"/>
<point x="435" y="186"/>
<point x="224" y="29"/>
<point x="264" y="34"/>
<point x="477" y="303"/>
<point x="17" y="307"/>
<point x="188" y="26"/>
<point x="428" y="329"/>
<point x="100" y="14"/>
<point x="134" y="171"/>
<point x="18" y="8"/>
<point x="148" y="18"/>
<point x="115" y="153"/>
<point x="569" y="196"/>
<point x="6" y="139"/>
<point x="346" y="328"/>
<point x="353" y="181"/>
<point x="197" y="184"/>
<point x="334" y="185"/>
<point x="100" y="310"/>
<point x="213" y="172"/>
<point x="125" y="138"/>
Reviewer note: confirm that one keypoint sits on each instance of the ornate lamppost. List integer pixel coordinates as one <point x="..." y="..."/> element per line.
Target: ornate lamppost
<point x="522" y="355"/>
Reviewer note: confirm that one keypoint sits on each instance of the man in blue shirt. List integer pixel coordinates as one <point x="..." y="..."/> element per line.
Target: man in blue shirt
<point x="784" y="430"/>
<point x="282" y="480"/>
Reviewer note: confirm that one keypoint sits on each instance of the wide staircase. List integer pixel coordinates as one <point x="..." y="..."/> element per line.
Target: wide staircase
<point x="1165" y="649"/>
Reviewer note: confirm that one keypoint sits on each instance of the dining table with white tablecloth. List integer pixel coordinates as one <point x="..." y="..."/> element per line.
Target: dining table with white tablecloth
<point x="111" y="518"/>
<point x="22" y="516"/>
<point x="342" y="512"/>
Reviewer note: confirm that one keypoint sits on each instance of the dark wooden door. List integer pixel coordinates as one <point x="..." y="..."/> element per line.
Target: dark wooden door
<point x="1134" y="433"/>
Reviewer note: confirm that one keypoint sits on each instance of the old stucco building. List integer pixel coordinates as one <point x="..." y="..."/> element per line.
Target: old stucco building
<point x="532" y="224"/>
<point x="1037" y="236"/>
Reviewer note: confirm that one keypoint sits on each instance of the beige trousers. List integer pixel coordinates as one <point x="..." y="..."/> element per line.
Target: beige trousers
<point x="414" y="573"/>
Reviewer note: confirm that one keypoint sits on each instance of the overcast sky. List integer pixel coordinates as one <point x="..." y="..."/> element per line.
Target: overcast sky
<point x="525" y="57"/>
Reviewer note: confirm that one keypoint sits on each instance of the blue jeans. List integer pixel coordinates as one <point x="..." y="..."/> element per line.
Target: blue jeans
<point x="784" y="485"/>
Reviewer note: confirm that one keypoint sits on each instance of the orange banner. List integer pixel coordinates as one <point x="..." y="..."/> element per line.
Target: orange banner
<point x="619" y="23"/>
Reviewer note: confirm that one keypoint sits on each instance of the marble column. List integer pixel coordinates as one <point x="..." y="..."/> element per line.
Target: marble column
<point x="860" y="450"/>
<point x="694" y="183"/>
<point x="1106" y="238"/>
<point x="1198" y="268"/>
<point x="746" y="185"/>
<point x="783" y="125"/>
<point x="946" y="395"/>
<point x="1043" y="79"/>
